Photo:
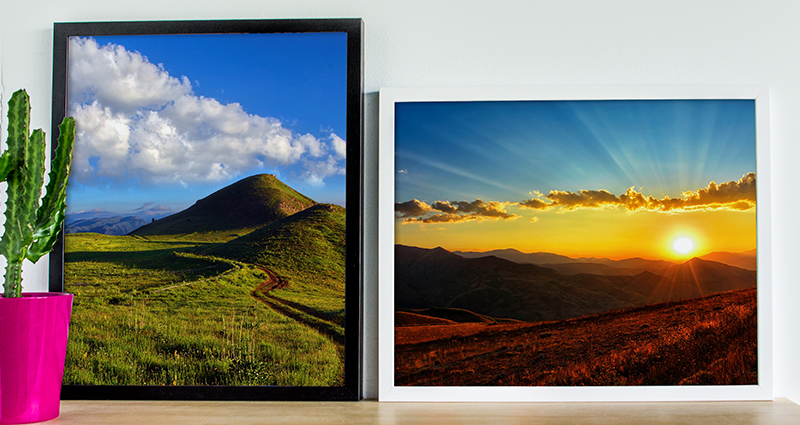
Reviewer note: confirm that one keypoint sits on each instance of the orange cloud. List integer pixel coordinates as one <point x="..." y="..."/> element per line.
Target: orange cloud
<point x="444" y="207"/>
<point x="411" y="208"/>
<point x="583" y="199"/>
<point x="737" y="195"/>
<point x="416" y="211"/>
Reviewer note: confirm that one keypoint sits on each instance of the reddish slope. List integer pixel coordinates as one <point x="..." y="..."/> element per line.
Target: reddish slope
<point x="708" y="341"/>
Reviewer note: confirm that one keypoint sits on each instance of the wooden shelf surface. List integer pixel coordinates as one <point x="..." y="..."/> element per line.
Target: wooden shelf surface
<point x="778" y="412"/>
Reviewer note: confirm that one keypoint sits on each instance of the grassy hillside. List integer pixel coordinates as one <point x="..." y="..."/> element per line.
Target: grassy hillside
<point x="306" y="249"/>
<point x="309" y="244"/>
<point x="247" y="204"/>
<point x="152" y="313"/>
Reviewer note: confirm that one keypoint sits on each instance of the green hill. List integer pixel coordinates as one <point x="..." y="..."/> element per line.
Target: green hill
<point x="249" y="203"/>
<point x="309" y="245"/>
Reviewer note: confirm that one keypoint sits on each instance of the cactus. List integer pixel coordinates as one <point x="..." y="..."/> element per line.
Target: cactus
<point x="32" y="226"/>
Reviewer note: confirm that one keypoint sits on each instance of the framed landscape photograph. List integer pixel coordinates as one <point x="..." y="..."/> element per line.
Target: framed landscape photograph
<point x="574" y="244"/>
<point x="213" y="229"/>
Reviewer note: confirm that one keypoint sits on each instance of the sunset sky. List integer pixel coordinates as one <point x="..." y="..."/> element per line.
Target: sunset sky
<point x="164" y="120"/>
<point x="613" y="179"/>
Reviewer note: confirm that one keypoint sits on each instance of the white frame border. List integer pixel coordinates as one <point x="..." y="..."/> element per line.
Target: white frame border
<point x="386" y="199"/>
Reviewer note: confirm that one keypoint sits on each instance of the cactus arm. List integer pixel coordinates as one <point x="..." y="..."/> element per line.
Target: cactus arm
<point x="50" y="216"/>
<point x="34" y="170"/>
<point x="6" y="165"/>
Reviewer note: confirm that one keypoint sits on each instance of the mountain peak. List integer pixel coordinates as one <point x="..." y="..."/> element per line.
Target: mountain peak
<point x="254" y="201"/>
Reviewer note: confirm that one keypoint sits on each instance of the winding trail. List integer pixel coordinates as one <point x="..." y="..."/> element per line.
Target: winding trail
<point x="274" y="282"/>
<point x="302" y="314"/>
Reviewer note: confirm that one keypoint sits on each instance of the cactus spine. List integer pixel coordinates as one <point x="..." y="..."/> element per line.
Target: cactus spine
<point x="31" y="227"/>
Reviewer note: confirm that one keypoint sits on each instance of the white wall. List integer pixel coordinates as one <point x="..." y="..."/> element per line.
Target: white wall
<point x="505" y="42"/>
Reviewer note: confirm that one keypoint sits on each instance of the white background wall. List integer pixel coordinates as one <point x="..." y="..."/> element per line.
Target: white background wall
<point x="504" y="42"/>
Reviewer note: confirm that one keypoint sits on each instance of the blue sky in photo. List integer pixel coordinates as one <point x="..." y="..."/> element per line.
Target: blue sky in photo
<point x="504" y="150"/>
<point x="298" y="80"/>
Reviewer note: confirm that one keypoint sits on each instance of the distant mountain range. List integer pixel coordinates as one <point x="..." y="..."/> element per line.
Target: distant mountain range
<point x="116" y="225"/>
<point x="606" y="266"/>
<point x="498" y="287"/>
<point x="745" y="260"/>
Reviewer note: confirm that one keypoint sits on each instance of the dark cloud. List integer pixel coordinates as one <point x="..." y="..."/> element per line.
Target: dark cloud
<point x="583" y="199"/>
<point x="441" y="218"/>
<point x="412" y="208"/>
<point x="535" y="204"/>
<point x="444" y="207"/>
<point x="416" y="211"/>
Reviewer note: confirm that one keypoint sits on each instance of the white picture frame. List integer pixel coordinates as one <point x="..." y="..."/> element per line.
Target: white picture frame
<point x="388" y="391"/>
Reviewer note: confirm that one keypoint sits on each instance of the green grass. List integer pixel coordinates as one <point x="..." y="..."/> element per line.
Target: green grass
<point x="308" y="249"/>
<point x="150" y="311"/>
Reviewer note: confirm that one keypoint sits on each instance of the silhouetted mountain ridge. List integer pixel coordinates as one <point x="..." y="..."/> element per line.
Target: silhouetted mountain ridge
<point x="746" y="260"/>
<point x="496" y="287"/>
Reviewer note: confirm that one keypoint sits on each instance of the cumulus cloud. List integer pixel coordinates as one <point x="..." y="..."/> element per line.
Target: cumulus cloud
<point x="412" y="208"/>
<point x="416" y="211"/>
<point x="138" y="121"/>
<point x="121" y="80"/>
<point x="444" y="207"/>
<point x="318" y="171"/>
<point x="339" y="145"/>
<point x="151" y="209"/>
<point x="737" y="195"/>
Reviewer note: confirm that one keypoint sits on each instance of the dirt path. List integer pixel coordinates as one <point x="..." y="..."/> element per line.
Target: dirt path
<point x="274" y="282"/>
<point x="294" y="311"/>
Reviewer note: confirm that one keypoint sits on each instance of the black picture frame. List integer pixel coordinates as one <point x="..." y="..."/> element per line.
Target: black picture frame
<point x="353" y="27"/>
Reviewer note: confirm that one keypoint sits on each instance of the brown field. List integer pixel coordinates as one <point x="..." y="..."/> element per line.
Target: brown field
<point x="705" y="341"/>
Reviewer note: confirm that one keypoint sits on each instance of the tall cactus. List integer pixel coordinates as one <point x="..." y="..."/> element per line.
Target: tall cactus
<point x="31" y="226"/>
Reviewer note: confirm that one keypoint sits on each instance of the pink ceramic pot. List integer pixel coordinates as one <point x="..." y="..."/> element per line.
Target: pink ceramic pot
<point x="33" y="345"/>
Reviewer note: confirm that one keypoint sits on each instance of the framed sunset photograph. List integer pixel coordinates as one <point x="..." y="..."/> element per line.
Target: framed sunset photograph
<point x="212" y="238"/>
<point x="574" y="244"/>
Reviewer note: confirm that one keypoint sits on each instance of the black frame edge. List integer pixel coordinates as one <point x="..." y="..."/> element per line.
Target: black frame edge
<point x="352" y="388"/>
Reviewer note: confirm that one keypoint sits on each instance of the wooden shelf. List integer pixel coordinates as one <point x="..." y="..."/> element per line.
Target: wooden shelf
<point x="779" y="412"/>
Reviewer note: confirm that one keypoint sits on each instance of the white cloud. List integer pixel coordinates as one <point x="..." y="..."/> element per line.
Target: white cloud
<point x="121" y="80"/>
<point x="339" y="145"/>
<point x="136" y="121"/>
<point x="317" y="171"/>
<point x="314" y="147"/>
<point x="102" y="134"/>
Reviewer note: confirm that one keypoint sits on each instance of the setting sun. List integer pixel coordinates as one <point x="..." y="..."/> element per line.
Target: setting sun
<point x="683" y="245"/>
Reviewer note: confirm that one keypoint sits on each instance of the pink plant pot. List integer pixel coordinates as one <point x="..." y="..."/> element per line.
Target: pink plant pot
<point x="33" y="345"/>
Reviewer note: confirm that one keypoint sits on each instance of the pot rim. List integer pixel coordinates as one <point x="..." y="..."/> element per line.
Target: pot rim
<point x="37" y="295"/>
